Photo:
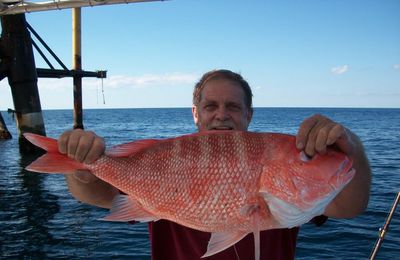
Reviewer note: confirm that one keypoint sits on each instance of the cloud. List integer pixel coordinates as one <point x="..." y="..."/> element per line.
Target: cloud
<point x="340" y="69"/>
<point x="149" y="80"/>
<point x="396" y="66"/>
<point x="123" y="81"/>
<point x="55" y="84"/>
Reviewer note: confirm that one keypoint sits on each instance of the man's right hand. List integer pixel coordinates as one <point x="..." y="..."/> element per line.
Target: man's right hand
<point x="83" y="146"/>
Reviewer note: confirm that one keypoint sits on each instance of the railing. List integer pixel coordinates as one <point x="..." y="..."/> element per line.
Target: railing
<point x="16" y="6"/>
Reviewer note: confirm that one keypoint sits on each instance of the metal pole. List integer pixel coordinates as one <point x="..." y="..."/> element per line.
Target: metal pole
<point x="22" y="76"/>
<point x="77" y="66"/>
<point x="382" y="231"/>
<point x="4" y="133"/>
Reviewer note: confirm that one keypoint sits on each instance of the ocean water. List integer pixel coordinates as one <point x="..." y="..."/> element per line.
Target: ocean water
<point x="40" y="220"/>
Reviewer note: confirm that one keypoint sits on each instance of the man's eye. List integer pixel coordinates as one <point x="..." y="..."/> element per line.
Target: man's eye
<point x="235" y="108"/>
<point x="210" y="107"/>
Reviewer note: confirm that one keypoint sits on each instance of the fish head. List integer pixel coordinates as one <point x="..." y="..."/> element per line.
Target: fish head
<point x="333" y="168"/>
<point x="304" y="181"/>
<point x="297" y="188"/>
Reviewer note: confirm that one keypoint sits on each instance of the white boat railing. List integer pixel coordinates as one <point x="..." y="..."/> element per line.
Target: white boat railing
<point x="21" y="6"/>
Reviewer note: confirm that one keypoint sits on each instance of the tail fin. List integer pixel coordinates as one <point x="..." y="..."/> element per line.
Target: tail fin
<point x="46" y="143"/>
<point x="53" y="161"/>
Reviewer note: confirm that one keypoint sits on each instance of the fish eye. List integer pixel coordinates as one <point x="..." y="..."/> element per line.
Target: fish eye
<point x="304" y="157"/>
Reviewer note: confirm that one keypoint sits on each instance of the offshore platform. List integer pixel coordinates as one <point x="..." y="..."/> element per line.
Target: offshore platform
<point x="17" y="62"/>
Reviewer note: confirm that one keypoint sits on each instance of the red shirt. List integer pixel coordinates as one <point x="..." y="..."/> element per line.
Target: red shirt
<point x="171" y="241"/>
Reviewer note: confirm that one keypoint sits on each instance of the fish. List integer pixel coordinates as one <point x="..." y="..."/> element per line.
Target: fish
<point x="227" y="183"/>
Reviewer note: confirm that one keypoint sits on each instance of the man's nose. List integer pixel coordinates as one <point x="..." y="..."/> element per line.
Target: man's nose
<point x="222" y="114"/>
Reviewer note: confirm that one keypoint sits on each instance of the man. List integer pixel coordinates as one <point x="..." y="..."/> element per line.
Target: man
<point x="222" y="100"/>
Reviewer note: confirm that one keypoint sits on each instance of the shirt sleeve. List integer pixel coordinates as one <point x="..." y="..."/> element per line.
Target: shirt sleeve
<point x="319" y="220"/>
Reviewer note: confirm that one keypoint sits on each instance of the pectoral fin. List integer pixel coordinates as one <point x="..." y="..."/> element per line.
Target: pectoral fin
<point x="289" y="215"/>
<point x="126" y="209"/>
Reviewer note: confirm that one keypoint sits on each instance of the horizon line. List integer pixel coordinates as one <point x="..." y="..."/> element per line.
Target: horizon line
<point x="186" y="107"/>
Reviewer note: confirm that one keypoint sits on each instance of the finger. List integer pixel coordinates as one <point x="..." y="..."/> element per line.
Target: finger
<point x="335" y="134"/>
<point x="321" y="140"/>
<point x="310" y="145"/>
<point x="304" y="131"/>
<point x="316" y="140"/>
<point x="342" y="138"/>
<point x="96" y="150"/>
<point x="85" y="177"/>
<point x="84" y="145"/>
<point x="63" y="141"/>
<point x="73" y="142"/>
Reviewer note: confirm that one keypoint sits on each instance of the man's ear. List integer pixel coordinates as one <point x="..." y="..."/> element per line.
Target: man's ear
<point x="249" y="115"/>
<point x="195" y="115"/>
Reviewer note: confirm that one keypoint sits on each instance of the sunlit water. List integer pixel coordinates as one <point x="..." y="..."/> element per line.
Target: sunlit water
<point x="39" y="218"/>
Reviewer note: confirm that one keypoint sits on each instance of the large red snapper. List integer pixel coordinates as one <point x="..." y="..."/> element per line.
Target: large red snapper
<point x="229" y="183"/>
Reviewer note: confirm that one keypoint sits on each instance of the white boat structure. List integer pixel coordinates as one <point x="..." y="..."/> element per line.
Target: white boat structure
<point x="17" y="7"/>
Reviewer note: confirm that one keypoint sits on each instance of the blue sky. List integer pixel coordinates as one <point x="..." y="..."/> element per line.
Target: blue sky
<point x="293" y="53"/>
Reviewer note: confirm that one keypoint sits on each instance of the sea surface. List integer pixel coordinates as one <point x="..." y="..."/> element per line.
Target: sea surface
<point x="40" y="220"/>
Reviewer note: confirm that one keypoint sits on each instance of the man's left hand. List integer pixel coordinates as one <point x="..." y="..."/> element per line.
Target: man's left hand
<point x="318" y="132"/>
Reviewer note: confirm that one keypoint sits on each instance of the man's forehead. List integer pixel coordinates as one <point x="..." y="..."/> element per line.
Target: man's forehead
<point x="222" y="89"/>
<point x="221" y="81"/>
<point x="211" y="100"/>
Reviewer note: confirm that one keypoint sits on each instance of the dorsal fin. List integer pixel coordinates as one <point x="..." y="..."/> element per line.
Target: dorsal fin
<point x="125" y="150"/>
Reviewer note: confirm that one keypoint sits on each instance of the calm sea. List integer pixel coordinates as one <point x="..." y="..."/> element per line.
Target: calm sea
<point x="40" y="220"/>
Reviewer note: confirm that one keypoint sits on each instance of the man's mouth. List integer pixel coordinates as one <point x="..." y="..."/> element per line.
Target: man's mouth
<point x="222" y="128"/>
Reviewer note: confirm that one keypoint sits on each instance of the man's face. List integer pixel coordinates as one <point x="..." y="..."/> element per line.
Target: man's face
<point x="222" y="107"/>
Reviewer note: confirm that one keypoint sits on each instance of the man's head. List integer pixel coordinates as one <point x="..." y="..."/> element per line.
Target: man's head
<point x="222" y="100"/>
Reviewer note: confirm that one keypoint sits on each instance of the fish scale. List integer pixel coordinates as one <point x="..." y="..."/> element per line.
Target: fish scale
<point x="229" y="183"/>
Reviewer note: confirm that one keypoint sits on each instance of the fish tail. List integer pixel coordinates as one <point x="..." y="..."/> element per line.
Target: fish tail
<point x="53" y="161"/>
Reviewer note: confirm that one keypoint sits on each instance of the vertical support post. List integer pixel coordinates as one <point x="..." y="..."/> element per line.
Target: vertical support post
<point x="77" y="67"/>
<point x="4" y="133"/>
<point x="22" y="76"/>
